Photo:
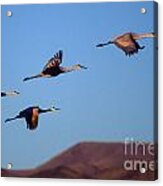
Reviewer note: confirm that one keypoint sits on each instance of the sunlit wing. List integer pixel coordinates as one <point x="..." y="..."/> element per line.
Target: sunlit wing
<point x="127" y="44"/>
<point x="124" y="40"/>
<point x="34" y="119"/>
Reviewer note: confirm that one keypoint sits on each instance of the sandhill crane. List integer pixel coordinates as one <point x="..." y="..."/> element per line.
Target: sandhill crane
<point x="9" y="93"/>
<point x="53" y="68"/>
<point x="127" y="42"/>
<point x="31" y="115"/>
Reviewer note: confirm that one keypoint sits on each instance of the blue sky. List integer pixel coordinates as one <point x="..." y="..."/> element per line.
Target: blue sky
<point x="110" y="101"/>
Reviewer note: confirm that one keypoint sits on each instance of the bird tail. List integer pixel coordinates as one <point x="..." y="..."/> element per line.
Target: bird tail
<point x="32" y="77"/>
<point x="11" y="119"/>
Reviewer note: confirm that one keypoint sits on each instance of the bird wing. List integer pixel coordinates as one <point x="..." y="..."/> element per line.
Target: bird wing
<point x="31" y="117"/>
<point x="127" y="44"/>
<point x="55" y="61"/>
<point x="34" y="119"/>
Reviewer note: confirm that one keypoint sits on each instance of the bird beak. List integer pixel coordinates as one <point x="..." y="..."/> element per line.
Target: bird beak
<point x="83" y="67"/>
<point x="17" y="93"/>
<point x="55" y="109"/>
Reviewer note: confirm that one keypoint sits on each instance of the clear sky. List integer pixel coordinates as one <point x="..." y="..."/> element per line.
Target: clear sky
<point x="110" y="101"/>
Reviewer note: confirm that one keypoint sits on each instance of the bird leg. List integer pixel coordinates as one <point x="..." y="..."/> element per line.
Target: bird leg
<point x="27" y="126"/>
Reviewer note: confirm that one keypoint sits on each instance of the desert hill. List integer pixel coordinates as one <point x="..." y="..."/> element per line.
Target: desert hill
<point x="89" y="160"/>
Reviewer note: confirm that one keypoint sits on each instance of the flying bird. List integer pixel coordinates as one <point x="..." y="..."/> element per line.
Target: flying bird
<point x="53" y="68"/>
<point x="31" y="115"/>
<point x="128" y="42"/>
<point x="9" y="93"/>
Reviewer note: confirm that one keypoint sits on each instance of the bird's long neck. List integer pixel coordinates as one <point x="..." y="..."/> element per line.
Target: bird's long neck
<point x="69" y="69"/>
<point x="11" y="119"/>
<point x="32" y="77"/>
<point x="141" y="36"/>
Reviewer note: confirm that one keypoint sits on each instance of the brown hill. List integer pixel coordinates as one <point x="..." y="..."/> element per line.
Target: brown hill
<point x="89" y="160"/>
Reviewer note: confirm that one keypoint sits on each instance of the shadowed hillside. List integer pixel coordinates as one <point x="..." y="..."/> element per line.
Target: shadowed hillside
<point x="88" y="161"/>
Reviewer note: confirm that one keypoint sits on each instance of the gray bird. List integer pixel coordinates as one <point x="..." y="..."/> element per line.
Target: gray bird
<point x="128" y="42"/>
<point x="53" y="68"/>
<point x="9" y="93"/>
